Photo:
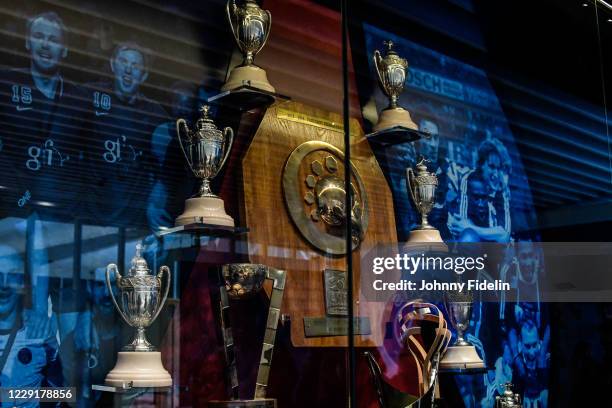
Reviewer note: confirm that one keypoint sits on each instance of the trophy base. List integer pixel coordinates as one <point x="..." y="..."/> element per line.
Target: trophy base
<point x="393" y="117"/>
<point x="138" y="369"/>
<point x="425" y="240"/>
<point x="425" y="235"/>
<point x="250" y="75"/>
<point x="204" y="210"/>
<point x="395" y="135"/>
<point x="258" y="403"/>
<point x="461" y="358"/>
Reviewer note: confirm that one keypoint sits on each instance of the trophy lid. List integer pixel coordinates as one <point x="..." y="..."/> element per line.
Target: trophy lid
<point x="139" y="265"/>
<point x="422" y="167"/>
<point x="392" y="57"/>
<point x="206" y="126"/>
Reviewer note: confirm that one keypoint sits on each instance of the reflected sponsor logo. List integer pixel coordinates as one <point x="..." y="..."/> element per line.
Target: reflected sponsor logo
<point x="115" y="148"/>
<point x="47" y="155"/>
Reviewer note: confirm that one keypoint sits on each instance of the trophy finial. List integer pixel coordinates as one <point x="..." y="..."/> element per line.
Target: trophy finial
<point x="139" y="264"/>
<point x="205" y="109"/>
<point x="422" y="165"/>
<point x="389" y="44"/>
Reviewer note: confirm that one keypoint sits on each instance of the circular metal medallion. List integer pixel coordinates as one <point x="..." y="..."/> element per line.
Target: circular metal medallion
<point x="315" y="194"/>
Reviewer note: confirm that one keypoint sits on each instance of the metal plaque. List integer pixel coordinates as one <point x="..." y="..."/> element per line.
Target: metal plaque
<point x="335" y="326"/>
<point x="315" y="194"/>
<point x="336" y="292"/>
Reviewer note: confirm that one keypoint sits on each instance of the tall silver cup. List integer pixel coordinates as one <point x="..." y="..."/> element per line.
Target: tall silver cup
<point x="391" y="70"/>
<point x="422" y="188"/>
<point x="206" y="149"/>
<point x="462" y="354"/>
<point x="251" y="28"/>
<point x="139" y="304"/>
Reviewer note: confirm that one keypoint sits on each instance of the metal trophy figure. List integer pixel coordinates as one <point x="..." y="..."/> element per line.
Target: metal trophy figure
<point x="240" y="281"/>
<point x="391" y="72"/>
<point x="206" y="150"/>
<point x="509" y="399"/>
<point x="422" y="188"/>
<point x="461" y="355"/>
<point x="251" y="28"/>
<point x="421" y="328"/>
<point x="140" y="301"/>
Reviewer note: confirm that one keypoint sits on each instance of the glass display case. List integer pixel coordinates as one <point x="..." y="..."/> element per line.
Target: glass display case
<point x="303" y="203"/>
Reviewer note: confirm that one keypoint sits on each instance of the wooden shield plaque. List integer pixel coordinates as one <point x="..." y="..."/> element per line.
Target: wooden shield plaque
<point x="287" y="232"/>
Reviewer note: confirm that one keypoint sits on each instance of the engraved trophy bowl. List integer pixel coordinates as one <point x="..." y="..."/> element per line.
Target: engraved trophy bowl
<point x="462" y="354"/>
<point x="422" y="189"/>
<point x="243" y="280"/>
<point x="251" y="28"/>
<point x="206" y="149"/>
<point x="140" y="302"/>
<point x="391" y="71"/>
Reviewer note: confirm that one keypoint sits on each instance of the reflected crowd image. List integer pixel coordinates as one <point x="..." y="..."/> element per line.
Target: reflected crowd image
<point x="305" y="203"/>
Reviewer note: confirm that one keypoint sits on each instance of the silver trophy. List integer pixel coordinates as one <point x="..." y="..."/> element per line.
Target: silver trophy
<point x="206" y="149"/>
<point x="251" y="28"/>
<point x="508" y="399"/>
<point x="422" y="188"/>
<point x="461" y="355"/>
<point x="140" y="301"/>
<point x="241" y="281"/>
<point x="391" y="70"/>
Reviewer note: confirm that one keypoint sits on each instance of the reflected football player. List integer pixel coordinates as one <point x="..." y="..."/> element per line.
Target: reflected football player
<point x="120" y="156"/>
<point x="484" y="209"/>
<point x="175" y="181"/>
<point x="25" y="360"/>
<point x="530" y="366"/>
<point x="40" y="115"/>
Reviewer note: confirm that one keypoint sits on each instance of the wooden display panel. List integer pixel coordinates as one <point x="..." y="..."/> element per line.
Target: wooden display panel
<point x="275" y="240"/>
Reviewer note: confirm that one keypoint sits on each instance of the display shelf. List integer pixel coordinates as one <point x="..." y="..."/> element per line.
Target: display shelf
<point x="203" y="229"/>
<point x="245" y="98"/>
<point x="463" y="371"/>
<point x="395" y="135"/>
<point x="129" y="389"/>
<point x="193" y="235"/>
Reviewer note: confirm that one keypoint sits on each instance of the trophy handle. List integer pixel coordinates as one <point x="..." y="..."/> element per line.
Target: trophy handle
<point x="183" y="122"/>
<point x="229" y="19"/>
<point x="411" y="182"/>
<point x="377" y="61"/>
<point x="163" y="301"/>
<point x="229" y="135"/>
<point x="269" y="29"/>
<point x="110" y="289"/>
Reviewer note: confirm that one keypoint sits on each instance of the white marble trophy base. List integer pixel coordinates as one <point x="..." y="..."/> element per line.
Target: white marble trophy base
<point x="461" y="358"/>
<point x="140" y="368"/>
<point x="425" y="240"/>
<point x="204" y="210"/>
<point x="250" y="75"/>
<point x="393" y="117"/>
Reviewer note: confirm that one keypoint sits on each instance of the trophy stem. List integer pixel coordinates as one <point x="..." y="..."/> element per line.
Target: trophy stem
<point x="424" y="222"/>
<point x="140" y="342"/>
<point x="393" y="102"/>
<point x="248" y="59"/>
<point x="461" y="341"/>
<point x="205" y="190"/>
